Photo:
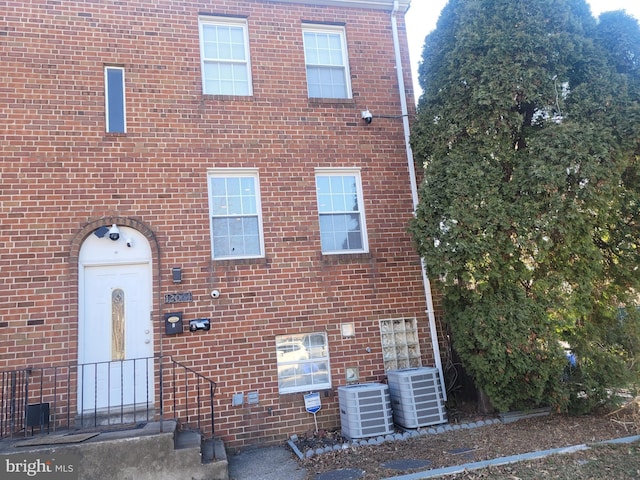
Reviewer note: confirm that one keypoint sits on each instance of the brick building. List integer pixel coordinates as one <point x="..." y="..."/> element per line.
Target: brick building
<point x="195" y="180"/>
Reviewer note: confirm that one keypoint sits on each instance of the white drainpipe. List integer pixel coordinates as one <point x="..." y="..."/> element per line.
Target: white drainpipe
<point x="414" y="194"/>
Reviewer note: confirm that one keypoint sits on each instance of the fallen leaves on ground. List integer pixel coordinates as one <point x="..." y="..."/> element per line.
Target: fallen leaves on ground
<point x="481" y="443"/>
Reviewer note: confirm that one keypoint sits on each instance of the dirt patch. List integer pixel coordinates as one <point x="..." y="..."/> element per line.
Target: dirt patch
<point x="470" y="445"/>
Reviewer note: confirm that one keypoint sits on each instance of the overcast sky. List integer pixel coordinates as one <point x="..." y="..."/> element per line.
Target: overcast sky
<point x="423" y="15"/>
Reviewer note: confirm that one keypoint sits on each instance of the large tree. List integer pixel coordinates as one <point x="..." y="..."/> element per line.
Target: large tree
<point x="528" y="132"/>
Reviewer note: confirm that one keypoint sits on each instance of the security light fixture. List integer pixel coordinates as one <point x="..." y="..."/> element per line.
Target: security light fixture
<point x="114" y="232"/>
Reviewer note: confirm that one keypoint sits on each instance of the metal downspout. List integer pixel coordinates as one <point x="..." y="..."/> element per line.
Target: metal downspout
<point x="414" y="194"/>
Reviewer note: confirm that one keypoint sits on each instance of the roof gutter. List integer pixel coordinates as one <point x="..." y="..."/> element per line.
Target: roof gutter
<point x="372" y="4"/>
<point x="414" y="191"/>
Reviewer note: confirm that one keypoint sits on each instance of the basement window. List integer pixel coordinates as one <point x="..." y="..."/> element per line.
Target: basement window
<point x="303" y="362"/>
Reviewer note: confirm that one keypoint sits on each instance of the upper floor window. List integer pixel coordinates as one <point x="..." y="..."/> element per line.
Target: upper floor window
<point x="236" y="220"/>
<point x="114" y="101"/>
<point x="224" y="53"/>
<point x="342" y="223"/>
<point x="325" y="52"/>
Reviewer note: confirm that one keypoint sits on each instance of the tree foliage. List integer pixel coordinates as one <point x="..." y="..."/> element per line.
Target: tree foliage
<point x="528" y="131"/>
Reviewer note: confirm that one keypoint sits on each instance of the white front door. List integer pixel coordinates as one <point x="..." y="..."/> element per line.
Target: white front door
<point x="115" y="345"/>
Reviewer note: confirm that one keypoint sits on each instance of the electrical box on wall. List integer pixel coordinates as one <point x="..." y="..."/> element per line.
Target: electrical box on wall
<point x="199" y="324"/>
<point x="173" y="323"/>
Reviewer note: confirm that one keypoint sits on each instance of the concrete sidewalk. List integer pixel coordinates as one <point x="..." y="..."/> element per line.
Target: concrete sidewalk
<point x="278" y="463"/>
<point x="269" y="463"/>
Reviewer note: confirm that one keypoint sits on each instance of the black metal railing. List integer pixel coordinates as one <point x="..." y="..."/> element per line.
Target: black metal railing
<point x="28" y="394"/>
<point x="191" y="397"/>
<point x="115" y="393"/>
<point x="103" y="394"/>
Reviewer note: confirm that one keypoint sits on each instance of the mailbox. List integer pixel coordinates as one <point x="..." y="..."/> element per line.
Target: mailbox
<point x="173" y="323"/>
<point x="199" y="324"/>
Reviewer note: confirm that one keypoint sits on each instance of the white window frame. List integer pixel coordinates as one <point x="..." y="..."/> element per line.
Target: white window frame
<point x="313" y="365"/>
<point x="203" y="21"/>
<point x="343" y="172"/>
<point x="107" y="109"/>
<point x="330" y="30"/>
<point x="235" y="173"/>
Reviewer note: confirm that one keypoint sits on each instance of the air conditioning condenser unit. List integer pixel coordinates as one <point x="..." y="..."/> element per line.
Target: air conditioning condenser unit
<point x="416" y="397"/>
<point x="365" y="410"/>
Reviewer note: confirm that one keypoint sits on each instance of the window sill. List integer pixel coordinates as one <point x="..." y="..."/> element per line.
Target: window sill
<point x="228" y="98"/>
<point x="240" y="261"/>
<point x="342" y="258"/>
<point x="293" y="396"/>
<point x="336" y="102"/>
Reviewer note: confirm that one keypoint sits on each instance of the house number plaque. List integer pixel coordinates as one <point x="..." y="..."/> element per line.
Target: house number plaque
<point x="178" y="297"/>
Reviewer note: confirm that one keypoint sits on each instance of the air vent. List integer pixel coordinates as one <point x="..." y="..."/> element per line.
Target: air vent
<point x="365" y="410"/>
<point x="416" y="399"/>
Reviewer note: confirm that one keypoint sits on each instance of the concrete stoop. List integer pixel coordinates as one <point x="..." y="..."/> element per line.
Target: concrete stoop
<point x="154" y="452"/>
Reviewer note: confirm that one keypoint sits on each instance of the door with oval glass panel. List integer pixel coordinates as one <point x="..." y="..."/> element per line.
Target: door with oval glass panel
<point x="115" y="339"/>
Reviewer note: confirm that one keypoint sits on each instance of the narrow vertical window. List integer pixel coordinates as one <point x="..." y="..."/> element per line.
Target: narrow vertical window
<point x="114" y="99"/>
<point x="325" y="53"/>
<point x="117" y="324"/>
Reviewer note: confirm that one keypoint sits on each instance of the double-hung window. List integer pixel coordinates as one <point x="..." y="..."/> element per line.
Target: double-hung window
<point x="325" y="52"/>
<point x="236" y="220"/>
<point x="303" y="362"/>
<point x="224" y="53"/>
<point x="114" y="100"/>
<point x="340" y="207"/>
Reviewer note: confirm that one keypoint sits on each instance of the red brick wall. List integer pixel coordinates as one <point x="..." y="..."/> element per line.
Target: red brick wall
<point x="62" y="177"/>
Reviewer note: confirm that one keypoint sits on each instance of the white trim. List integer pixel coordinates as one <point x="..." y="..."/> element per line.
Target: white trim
<point x="372" y="4"/>
<point x="236" y="172"/>
<point x="335" y="30"/>
<point x="326" y="359"/>
<point x="104" y="251"/>
<point x="233" y="21"/>
<point x="342" y="171"/>
<point x="106" y="99"/>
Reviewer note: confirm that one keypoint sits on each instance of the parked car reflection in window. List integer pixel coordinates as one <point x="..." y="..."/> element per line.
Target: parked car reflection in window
<point x="303" y="362"/>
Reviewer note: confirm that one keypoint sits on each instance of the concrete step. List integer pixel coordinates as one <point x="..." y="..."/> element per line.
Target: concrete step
<point x="147" y="453"/>
<point x="187" y="439"/>
<point x="213" y="451"/>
